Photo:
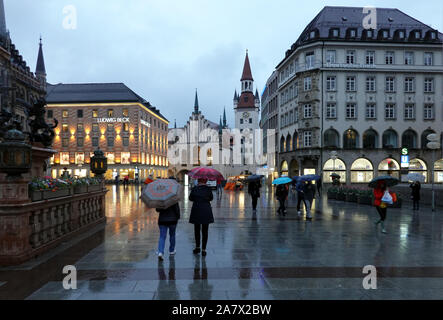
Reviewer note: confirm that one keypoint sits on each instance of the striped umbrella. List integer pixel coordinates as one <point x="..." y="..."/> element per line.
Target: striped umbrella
<point x="205" y="173"/>
<point x="162" y="193"/>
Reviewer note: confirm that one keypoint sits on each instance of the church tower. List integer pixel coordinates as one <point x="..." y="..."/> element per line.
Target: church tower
<point x="40" y="70"/>
<point x="247" y="105"/>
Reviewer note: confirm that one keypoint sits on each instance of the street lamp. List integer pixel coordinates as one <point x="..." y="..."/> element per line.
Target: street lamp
<point x="333" y="155"/>
<point x="433" y="144"/>
<point x="99" y="163"/>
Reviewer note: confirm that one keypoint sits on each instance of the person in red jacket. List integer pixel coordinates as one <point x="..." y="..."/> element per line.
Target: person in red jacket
<point x="381" y="207"/>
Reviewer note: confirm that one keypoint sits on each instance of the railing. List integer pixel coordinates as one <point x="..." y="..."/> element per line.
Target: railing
<point x="31" y="229"/>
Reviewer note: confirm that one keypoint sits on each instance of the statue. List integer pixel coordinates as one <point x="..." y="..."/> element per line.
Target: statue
<point x="40" y="130"/>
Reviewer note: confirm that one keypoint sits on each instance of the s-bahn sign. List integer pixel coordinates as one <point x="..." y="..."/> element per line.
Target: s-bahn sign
<point x="112" y="120"/>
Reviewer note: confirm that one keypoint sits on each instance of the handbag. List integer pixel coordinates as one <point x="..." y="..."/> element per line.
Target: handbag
<point x="387" y="198"/>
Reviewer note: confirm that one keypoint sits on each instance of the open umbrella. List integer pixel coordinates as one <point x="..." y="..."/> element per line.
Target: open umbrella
<point x="335" y="175"/>
<point x="162" y="193"/>
<point x="415" y="176"/>
<point x="205" y="173"/>
<point x="309" y="177"/>
<point x="282" y="180"/>
<point x="254" y="177"/>
<point x="390" y="181"/>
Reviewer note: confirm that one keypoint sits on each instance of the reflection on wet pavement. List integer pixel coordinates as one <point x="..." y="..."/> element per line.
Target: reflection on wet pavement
<point x="263" y="256"/>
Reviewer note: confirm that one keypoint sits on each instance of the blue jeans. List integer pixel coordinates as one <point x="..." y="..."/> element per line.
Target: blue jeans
<point x="163" y="235"/>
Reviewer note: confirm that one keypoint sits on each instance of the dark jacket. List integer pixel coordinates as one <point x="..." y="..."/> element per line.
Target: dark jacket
<point x="309" y="191"/>
<point x="254" y="189"/>
<point x="170" y="215"/>
<point x="201" y="212"/>
<point x="281" y="192"/>
<point x="415" y="191"/>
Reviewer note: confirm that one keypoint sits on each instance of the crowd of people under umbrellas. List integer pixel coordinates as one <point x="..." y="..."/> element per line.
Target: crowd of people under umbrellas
<point x="165" y="194"/>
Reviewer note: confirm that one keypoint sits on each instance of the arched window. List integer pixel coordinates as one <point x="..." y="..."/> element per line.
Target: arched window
<point x="288" y="143"/>
<point x="350" y="139"/>
<point x="293" y="168"/>
<point x="390" y="139"/>
<point x="438" y="171"/>
<point x="284" y="169"/>
<point x="295" y="143"/>
<point x="424" y="140"/>
<point x="370" y="139"/>
<point x="334" y="166"/>
<point x="409" y="139"/>
<point x="418" y="166"/>
<point x="282" y="144"/>
<point x="390" y="167"/>
<point x="362" y="171"/>
<point x="331" y="138"/>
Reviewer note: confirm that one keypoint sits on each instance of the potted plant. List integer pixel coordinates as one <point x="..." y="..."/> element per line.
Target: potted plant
<point x="94" y="184"/>
<point x="365" y="197"/>
<point x="48" y="188"/>
<point x="341" y="194"/>
<point x="351" y="195"/>
<point x="80" y="185"/>
<point x="36" y="188"/>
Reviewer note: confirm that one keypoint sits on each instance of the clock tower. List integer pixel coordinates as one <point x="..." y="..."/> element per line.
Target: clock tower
<point x="247" y="105"/>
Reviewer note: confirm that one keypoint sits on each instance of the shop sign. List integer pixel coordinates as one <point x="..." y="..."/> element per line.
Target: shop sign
<point x="112" y="120"/>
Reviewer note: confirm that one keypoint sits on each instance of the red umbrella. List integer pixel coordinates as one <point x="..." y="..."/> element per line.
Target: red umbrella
<point x="205" y="173"/>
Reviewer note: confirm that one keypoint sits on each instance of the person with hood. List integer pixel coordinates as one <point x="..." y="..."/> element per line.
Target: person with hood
<point x="167" y="220"/>
<point x="254" y="191"/>
<point x="201" y="214"/>
<point x="282" y="194"/>
<point x="381" y="207"/>
<point x="415" y="194"/>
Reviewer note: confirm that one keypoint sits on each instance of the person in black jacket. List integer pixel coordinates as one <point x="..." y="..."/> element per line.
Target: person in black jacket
<point x="415" y="194"/>
<point x="167" y="220"/>
<point x="282" y="193"/>
<point x="254" y="191"/>
<point x="201" y="213"/>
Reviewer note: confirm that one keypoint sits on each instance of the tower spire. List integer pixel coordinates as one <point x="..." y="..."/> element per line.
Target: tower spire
<point x="3" y="30"/>
<point x="224" y="117"/>
<point x="247" y="74"/>
<point x="40" y="68"/>
<point x="175" y="123"/>
<point x="196" y="102"/>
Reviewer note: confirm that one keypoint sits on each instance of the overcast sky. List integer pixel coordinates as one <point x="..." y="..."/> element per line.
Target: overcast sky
<point x="164" y="49"/>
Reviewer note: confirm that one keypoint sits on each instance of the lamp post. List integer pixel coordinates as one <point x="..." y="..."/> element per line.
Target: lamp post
<point x="99" y="163"/>
<point x="433" y="144"/>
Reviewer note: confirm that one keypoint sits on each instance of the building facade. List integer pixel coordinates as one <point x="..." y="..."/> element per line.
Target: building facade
<point x="365" y="93"/>
<point x="110" y="116"/>
<point x="20" y="88"/>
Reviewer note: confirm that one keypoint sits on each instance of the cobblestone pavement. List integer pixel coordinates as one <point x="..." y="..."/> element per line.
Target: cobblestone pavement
<point x="249" y="257"/>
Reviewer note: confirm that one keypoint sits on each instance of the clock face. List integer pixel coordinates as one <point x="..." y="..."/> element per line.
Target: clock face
<point x="246" y="115"/>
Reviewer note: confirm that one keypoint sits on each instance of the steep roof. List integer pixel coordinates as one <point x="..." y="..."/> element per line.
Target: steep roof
<point x="40" y="69"/>
<point x="247" y="74"/>
<point x="344" y="18"/>
<point x="246" y="100"/>
<point x="95" y="93"/>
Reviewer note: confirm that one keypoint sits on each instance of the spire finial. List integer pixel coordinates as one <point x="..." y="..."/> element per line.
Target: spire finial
<point x="196" y="107"/>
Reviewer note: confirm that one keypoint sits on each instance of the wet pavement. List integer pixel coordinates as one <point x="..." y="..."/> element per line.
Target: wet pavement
<point x="265" y="256"/>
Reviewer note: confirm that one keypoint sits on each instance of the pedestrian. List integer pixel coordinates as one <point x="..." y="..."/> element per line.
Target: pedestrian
<point x="415" y="194"/>
<point x="299" y="187"/>
<point x="126" y="181"/>
<point x="309" y="193"/>
<point x="167" y="220"/>
<point x="282" y="194"/>
<point x="219" y="188"/>
<point x="381" y="206"/>
<point x="201" y="214"/>
<point x="254" y="191"/>
<point x="117" y="180"/>
<point x="319" y="185"/>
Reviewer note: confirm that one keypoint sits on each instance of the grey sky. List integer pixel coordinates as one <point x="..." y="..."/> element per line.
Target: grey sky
<point x="164" y="49"/>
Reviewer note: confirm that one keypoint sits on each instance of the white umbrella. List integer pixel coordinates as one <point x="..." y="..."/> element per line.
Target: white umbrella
<point x="415" y="176"/>
<point x="162" y="193"/>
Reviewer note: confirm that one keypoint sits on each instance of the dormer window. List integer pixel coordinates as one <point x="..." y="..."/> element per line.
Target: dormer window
<point x="385" y="34"/>
<point x="369" y="34"/>
<point x="334" y="33"/>
<point x="352" y="33"/>
<point x="312" y="35"/>
<point x="417" y="34"/>
<point x="431" y="34"/>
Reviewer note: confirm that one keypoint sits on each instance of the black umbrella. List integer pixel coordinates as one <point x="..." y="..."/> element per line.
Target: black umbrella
<point x="254" y="177"/>
<point x="390" y="181"/>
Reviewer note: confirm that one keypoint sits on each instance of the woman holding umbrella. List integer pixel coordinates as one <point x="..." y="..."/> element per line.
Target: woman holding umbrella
<point x="201" y="213"/>
<point x="282" y="194"/>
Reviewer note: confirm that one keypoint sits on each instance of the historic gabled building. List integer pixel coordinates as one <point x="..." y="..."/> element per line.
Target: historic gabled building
<point x="20" y="88"/>
<point x="365" y="92"/>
